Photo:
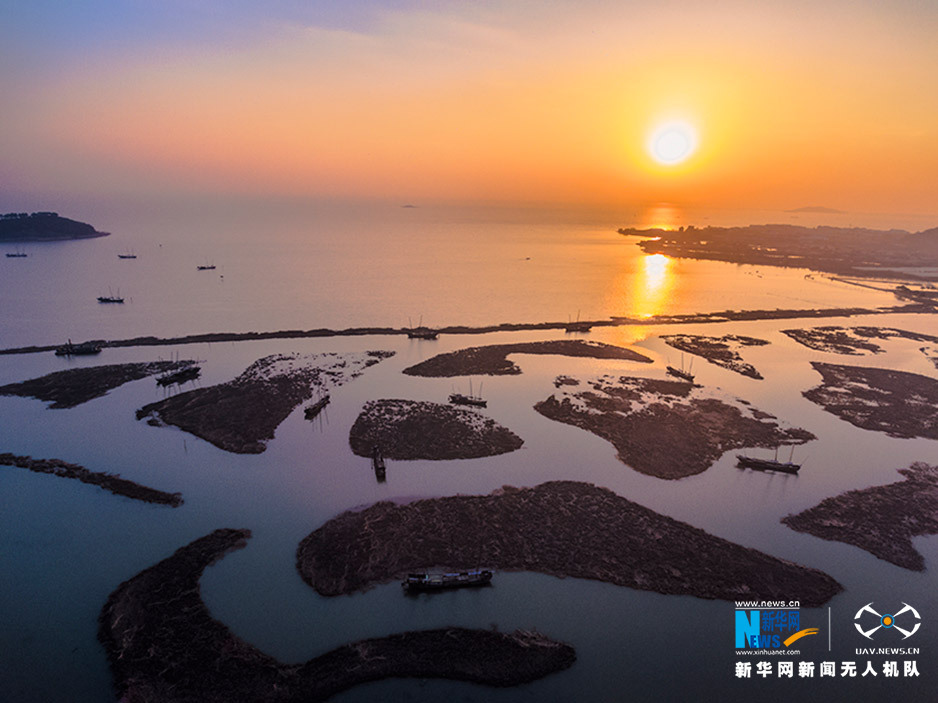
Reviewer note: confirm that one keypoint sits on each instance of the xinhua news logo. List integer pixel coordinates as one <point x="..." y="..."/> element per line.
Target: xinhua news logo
<point x="869" y="622"/>
<point x="769" y="628"/>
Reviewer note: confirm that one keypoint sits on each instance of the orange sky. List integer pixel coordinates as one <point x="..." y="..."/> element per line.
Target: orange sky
<point x="794" y="105"/>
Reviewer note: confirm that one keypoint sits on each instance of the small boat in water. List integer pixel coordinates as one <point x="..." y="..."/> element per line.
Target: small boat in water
<point x="428" y="581"/>
<point x="110" y="297"/>
<point x="749" y="462"/>
<point x="83" y="349"/>
<point x="474" y="400"/>
<point x="681" y="373"/>
<point x="420" y="332"/>
<point x="313" y="410"/>
<point x="18" y="254"/>
<point x="377" y="462"/>
<point x="205" y="267"/>
<point x="189" y="373"/>
<point x="577" y="326"/>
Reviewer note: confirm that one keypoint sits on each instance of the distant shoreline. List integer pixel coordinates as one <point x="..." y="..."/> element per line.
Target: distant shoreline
<point x="692" y="318"/>
<point x="43" y="227"/>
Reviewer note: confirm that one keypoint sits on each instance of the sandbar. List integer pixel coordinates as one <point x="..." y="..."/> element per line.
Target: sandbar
<point x="921" y="305"/>
<point x="562" y="528"/>
<point x="881" y="519"/>
<point x="722" y="351"/>
<point x="163" y="646"/>
<point x="899" y="403"/>
<point x="856" y="341"/>
<point x="493" y="360"/>
<point x="668" y="429"/>
<point x="241" y="415"/>
<point x="109" y="482"/>
<point x="71" y="387"/>
<point x="410" y="429"/>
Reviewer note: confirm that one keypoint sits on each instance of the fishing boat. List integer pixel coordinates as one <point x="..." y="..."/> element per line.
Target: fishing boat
<point x="206" y="267"/>
<point x="577" y="326"/>
<point x="110" y="297"/>
<point x="749" y="462"/>
<point x="681" y="373"/>
<point x="687" y="376"/>
<point x="313" y="410"/>
<point x="474" y="400"/>
<point x="377" y="463"/>
<point x="18" y="254"/>
<point x="127" y="255"/>
<point x="189" y="373"/>
<point x="430" y="581"/>
<point x="420" y="332"/>
<point x="83" y="349"/>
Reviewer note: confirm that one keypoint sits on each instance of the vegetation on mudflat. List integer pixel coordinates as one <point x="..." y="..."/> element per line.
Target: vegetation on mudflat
<point x="722" y="351"/>
<point x="242" y="415"/>
<point x="563" y="528"/>
<point x="882" y="520"/>
<point x="663" y="428"/>
<point x="410" y="429"/>
<point x="66" y="389"/>
<point x="899" y="403"/>
<point x="109" y="482"/>
<point x="493" y="359"/>
<point x="163" y="646"/>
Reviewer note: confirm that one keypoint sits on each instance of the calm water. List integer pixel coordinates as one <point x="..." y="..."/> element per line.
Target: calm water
<point x="66" y="546"/>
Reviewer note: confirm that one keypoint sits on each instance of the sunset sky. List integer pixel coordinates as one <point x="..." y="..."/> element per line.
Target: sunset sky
<point x="792" y="103"/>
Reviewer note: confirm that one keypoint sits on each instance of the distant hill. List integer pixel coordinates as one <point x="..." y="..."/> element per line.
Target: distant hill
<point x="43" y="227"/>
<point x="819" y="209"/>
<point x="853" y="251"/>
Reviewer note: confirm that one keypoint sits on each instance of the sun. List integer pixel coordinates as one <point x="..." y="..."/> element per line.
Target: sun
<point x="672" y="142"/>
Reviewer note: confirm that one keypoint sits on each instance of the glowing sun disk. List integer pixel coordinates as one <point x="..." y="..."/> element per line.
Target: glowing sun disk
<point x="672" y="143"/>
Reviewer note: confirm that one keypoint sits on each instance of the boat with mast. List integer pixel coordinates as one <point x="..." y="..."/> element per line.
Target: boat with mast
<point x="420" y="332"/>
<point x="18" y="254"/>
<point x="474" y="400"/>
<point x="788" y="467"/>
<point x="681" y="373"/>
<point x="576" y="325"/>
<point x="110" y="297"/>
<point x="83" y="349"/>
<point x="311" y="411"/>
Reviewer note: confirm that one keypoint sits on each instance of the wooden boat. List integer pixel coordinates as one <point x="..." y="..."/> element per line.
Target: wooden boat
<point x="18" y="254"/>
<point x="460" y="399"/>
<point x="189" y="373"/>
<point x="206" y="267"/>
<point x="313" y="410"/>
<point x="681" y="373"/>
<point x="420" y="332"/>
<point x="83" y="349"/>
<point x="474" y="400"/>
<point x="428" y="581"/>
<point x="686" y="375"/>
<point x="749" y="462"/>
<point x="577" y="326"/>
<point x="377" y="462"/>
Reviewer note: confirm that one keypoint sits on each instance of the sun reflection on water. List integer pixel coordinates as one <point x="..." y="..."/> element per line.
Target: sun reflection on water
<point x="652" y="285"/>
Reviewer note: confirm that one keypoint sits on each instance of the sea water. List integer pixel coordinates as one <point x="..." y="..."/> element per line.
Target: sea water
<point x="66" y="545"/>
